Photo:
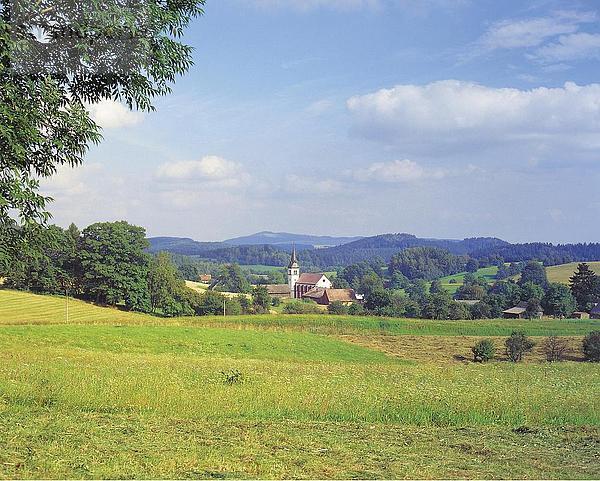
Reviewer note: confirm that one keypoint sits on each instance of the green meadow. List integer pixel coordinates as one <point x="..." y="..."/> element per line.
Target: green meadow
<point x="120" y="395"/>
<point x="453" y="282"/>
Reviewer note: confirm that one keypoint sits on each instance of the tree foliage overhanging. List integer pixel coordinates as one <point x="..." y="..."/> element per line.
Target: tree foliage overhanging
<point x="56" y="58"/>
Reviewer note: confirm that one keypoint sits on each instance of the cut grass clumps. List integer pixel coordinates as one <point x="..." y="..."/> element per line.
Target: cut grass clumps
<point x="484" y="351"/>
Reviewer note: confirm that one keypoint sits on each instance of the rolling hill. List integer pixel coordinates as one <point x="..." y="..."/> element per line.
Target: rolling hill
<point x="286" y="239"/>
<point x="562" y="273"/>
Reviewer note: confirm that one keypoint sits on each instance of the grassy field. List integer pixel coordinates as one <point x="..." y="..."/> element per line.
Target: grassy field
<point x="452" y="283"/>
<point x="563" y="272"/>
<point x="119" y="395"/>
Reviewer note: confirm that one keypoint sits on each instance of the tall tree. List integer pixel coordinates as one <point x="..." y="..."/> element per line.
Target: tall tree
<point x="56" y="58"/>
<point x="585" y="286"/>
<point x="534" y="272"/>
<point x="165" y="286"/>
<point x="558" y="301"/>
<point x="115" y="264"/>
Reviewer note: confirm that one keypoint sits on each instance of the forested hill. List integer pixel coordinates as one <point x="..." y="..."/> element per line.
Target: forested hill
<point x="286" y="239"/>
<point x="488" y="249"/>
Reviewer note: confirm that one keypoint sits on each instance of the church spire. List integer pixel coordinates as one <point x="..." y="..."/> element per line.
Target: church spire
<point x="293" y="260"/>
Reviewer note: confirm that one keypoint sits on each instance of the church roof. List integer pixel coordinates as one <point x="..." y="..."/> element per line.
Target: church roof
<point x="310" y="278"/>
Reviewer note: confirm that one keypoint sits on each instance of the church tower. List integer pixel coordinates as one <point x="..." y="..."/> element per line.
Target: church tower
<point x="293" y="272"/>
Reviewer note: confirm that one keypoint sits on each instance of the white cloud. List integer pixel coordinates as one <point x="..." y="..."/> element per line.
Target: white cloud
<point x="455" y="113"/>
<point x="397" y="171"/>
<point x="532" y="32"/>
<point x="210" y="169"/>
<point x="571" y="47"/>
<point x="113" y="115"/>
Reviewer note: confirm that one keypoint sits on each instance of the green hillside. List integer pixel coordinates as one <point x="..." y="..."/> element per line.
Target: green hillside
<point x="452" y="283"/>
<point x="115" y="395"/>
<point x="563" y="272"/>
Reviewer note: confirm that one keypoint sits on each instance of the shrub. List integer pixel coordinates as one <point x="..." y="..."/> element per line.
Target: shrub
<point x="484" y="351"/>
<point x="356" y="309"/>
<point x="299" y="307"/>
<point x="591" y="346"/>
<point x="338" y="308"/>
<point x="233" y="376"/>
<point x="555" y="348"/>
<point x="517" y="345"/>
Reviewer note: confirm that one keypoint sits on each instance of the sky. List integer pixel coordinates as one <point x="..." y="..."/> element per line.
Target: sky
<point x="440" y="118"/>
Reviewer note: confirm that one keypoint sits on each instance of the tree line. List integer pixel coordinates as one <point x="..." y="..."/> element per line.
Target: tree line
<point x="108" y="264"/>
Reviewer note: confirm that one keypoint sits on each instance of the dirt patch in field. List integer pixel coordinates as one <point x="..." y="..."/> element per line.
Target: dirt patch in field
<point x="451" y="349"/>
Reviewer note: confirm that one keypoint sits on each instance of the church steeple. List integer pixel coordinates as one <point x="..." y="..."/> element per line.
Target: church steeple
<point x="293" y="272"/>
<point x="293" y="260"/>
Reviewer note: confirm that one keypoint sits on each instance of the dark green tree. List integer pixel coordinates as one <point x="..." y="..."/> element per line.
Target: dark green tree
<point x="585" y="287"/>
<point x="115" y="265"/>
<point x="261" y="300"/>
<point x="231" y="279"/>
<point x="559" y="301"/>
<point x="535" y="273"/>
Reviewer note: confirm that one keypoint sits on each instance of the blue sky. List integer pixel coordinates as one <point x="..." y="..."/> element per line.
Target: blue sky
<point x="442" y="118"/>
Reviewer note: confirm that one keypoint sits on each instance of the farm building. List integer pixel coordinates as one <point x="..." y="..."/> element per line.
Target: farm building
<point x="581" y="315"/>
<point x="519" y="311"/>
<point x="595" y="312"/>
<point x="325" y="297"/>
<point x="205" y="278"/>
<point x="280" y="291"/>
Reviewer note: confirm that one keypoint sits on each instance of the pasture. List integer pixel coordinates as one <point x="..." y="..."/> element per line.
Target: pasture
<point x="115" y="395"/>
<point x="453" y="282"/>
<point x="563" y="272"/>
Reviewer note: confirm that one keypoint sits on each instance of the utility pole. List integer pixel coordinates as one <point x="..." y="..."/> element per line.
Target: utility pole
<point x="224" y="300"/>
<point x="67" y="294"/>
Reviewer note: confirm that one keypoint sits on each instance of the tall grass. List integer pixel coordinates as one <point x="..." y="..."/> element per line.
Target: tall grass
<point x="79" y="377"/>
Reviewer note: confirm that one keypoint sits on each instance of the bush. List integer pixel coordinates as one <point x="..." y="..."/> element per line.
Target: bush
<point x="484" y="351"/>
<point x="591" y="346"/>
<point x="233" y="376"/>
<point x="356" y="309"/>
<point x="338" y="308"/>
<point x="299" y="307"/>
<point x="517" y="345"/>
<point x="555" y="348"/>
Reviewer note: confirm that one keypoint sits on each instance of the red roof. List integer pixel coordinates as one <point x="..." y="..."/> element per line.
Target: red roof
<point x="310" y="278"/>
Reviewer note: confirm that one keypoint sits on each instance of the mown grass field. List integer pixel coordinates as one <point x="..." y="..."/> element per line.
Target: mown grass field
<point x="119" y="395"/>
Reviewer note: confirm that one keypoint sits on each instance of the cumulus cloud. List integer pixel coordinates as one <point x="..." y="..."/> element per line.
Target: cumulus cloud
<point x="571" y="47"/>
<point x="209" y="169"/>
<point x="397" y="171"/>
<point x="455" y="113"/>
<point x="113" y="115"/>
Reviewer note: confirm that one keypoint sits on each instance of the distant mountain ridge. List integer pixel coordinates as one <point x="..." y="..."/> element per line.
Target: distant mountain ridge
<point x="275" y="247"/>
<point x="286" y="239"/>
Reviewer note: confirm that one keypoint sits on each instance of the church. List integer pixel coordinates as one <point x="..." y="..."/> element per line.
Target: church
<point x="309" y="285"/>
